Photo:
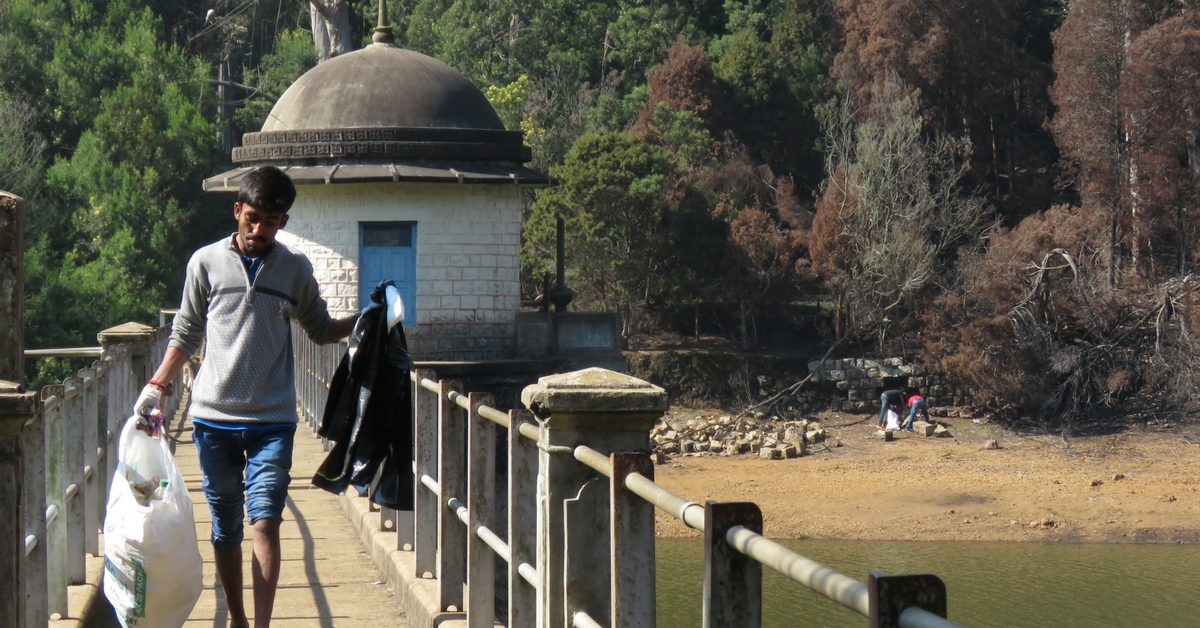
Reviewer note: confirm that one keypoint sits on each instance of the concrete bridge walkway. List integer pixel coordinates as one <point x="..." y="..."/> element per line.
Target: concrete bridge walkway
<point x="326" y="578"/>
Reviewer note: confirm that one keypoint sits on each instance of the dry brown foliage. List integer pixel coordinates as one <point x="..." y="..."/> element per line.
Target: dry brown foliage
<point x="685" y="82"/>
<point x="1034" y="327"/>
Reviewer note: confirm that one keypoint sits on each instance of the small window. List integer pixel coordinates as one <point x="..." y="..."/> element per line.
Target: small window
<point x="388" y="234"/>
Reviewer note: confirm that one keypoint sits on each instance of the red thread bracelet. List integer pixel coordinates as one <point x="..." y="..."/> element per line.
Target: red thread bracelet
<point x="155" y="382"/>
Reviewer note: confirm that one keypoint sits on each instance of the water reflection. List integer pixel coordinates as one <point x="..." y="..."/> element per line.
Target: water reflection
<point x="1009" y="585"/>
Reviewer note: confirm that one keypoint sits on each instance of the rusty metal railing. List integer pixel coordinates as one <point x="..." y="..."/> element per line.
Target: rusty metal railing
<point x="69" y="456"/>
<point x="453" y="533"/>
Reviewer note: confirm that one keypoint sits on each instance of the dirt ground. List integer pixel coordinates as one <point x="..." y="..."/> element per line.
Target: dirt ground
<point x="1137" y="486"/>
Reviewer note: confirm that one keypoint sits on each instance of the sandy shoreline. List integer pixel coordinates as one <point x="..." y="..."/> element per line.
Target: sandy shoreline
<point x="1137" y="486"/>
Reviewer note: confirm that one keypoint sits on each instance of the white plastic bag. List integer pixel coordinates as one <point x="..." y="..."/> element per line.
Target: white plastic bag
<point x="893" y="420"/>
<point x="151" y="559"/>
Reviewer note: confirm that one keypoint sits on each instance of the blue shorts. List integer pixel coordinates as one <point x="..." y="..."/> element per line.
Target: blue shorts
<point x="243" y="468"/>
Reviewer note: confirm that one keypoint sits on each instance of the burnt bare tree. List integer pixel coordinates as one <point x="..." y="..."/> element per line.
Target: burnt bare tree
<point x="892" y="213"/>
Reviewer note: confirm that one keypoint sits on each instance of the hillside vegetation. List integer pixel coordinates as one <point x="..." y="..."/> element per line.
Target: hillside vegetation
<point x="1005" y="190"/>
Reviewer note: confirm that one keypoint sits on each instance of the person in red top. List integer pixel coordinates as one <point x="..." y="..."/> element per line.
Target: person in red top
<point x="915" y="402"/>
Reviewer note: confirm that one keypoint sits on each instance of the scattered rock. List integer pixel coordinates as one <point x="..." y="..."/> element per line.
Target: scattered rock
<point x="1117" y="477"/>
<point x="940" y="431"/>
<point x="727" y="435"/>
<point x="992" y="444"/>
<point x="1097" y="482"/>
<point x="924" y="429"/>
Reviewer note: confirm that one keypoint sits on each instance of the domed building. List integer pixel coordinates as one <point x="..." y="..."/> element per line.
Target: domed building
<point x="403" y="171"/>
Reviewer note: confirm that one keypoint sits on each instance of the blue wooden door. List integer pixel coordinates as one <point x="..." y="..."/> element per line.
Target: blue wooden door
<point x="387" y="250"/>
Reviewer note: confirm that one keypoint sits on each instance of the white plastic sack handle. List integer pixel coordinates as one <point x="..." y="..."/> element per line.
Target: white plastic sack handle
<point x="395" y="306"/>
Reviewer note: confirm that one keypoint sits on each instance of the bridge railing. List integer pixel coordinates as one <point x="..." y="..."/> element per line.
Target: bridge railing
<point x="62" y="446"/>
<point x="579" y="498"/>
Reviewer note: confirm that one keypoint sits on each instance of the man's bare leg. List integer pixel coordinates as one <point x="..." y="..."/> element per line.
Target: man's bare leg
<point x="265" y="569"/>
<point x="229" y="570"/>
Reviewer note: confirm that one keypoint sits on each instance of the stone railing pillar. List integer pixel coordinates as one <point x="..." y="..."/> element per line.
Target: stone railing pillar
<point x="138" y="338"/>
<point x="12" y="297"/>
<point x="608" y="412"/>
<point x="16" y="407"/>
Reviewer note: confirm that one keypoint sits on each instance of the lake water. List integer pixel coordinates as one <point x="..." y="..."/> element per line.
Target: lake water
<point x="1009" y="585"/>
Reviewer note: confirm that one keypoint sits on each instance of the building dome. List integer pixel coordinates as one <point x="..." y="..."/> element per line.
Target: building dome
<point x="382" y="86"/>
<point x="381" y="103"/>
<point x="383" y="114"/>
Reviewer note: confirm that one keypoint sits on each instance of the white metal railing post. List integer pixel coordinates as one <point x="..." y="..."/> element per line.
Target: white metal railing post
<point x="632" y="534"/>
<point x="425" y="504"/>
<point x="17" y="408"/>
<point x="54" y="415"/>
<point x="104" y="376"/>
<point x="35" y="568"/>
<point x="522" y="521"/>
<point x="481" y="488"/>
<point x="608" y="412"/>
<point x="732" y="580"/>
<point x="93" y="504"/>
<point x="299" y="364"/>
<point x="72" y="463"/>
<point x="405" y="520"/>
<point x="118" y="385"/>
<point x="452" y="546"/>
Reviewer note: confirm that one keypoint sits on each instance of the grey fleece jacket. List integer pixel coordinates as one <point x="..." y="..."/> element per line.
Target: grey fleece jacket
<point x="247" y="373"/>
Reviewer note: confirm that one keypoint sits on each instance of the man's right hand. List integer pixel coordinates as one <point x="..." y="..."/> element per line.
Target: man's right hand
<point x="151" y="397"/>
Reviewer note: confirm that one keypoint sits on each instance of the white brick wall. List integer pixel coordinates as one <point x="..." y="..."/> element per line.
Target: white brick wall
<point x="468" y="243"/>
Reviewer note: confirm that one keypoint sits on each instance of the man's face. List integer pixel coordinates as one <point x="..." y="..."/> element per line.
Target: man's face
<point x="256" y="229"/>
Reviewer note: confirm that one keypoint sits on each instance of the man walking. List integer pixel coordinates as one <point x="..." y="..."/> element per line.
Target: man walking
<point x="239" y="297"/>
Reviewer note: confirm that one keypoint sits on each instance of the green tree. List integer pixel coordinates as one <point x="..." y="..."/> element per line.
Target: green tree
<point x="132" y="140"/>
<point x="292" y="57"/>
<point x="612" y="194"/>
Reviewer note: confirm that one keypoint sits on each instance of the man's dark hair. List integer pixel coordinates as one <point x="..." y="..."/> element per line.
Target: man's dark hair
<point x="267" y="189"/>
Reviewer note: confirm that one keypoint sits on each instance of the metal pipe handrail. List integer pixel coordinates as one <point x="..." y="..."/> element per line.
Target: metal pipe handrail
<point x="814" y="576"/>
<point x="483" y="532"/>
<point x="66" y="352"/>
<point x="498" y="417"/>
<point x="917" y="617"/>
<point x="593" y="459"/>
<point x="833" y="585"/>
<point x="823" y="580"/>
<point x="838" y="587"/>
<point x="528" y="430"/>
<point x="689" y="512"/>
